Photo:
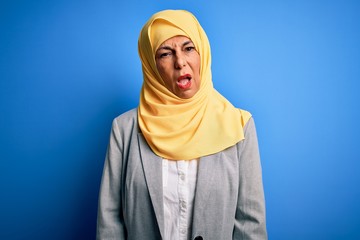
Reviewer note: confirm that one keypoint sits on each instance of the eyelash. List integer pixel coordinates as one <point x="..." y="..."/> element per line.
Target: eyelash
<point x="188" y="49"/>
<point x="165" y="54"/>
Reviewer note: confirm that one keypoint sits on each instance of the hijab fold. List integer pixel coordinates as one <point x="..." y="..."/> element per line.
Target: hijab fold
<point x="176" y="128"/>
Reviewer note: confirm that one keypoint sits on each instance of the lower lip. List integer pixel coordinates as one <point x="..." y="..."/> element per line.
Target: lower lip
<point x="186" y="86"/>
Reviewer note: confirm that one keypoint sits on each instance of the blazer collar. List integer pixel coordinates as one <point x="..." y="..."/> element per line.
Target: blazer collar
<point x="152" y="165"/>
<point x="205" y="181"/>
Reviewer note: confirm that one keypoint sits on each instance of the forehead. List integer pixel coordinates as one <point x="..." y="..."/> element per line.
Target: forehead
<point x="175" y="41"/>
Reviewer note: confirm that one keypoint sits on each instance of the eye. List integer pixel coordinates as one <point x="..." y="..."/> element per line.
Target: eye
<point x="164" y="54"/>
<point x="189" y="49"/>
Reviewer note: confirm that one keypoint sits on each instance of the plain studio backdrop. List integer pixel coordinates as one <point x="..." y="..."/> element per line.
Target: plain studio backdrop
<point x="67" y="68"/>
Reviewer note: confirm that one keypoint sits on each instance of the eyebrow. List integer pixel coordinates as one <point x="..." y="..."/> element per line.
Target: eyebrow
<point x="170" y="48"/>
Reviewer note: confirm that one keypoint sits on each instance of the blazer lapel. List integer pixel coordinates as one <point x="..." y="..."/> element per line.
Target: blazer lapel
<point x="152" y="165"/>
<point x="205" y="180"/>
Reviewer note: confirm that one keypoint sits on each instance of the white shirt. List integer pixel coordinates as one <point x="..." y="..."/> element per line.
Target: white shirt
<point x="179" y="183"/>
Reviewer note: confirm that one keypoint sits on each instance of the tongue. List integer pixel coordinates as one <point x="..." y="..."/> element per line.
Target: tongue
<point x="184" y="83"/>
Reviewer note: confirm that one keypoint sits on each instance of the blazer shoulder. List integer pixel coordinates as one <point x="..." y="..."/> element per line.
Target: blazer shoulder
<point x="126" y="117"/>
<point x="126" y="121"/>
<point x="245" y="117"/>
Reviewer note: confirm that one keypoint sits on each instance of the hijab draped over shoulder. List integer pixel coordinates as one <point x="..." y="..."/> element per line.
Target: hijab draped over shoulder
<point x="176" y="128"/>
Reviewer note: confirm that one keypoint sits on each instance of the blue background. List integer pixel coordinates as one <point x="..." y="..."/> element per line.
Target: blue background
<point x="67" y="68"/>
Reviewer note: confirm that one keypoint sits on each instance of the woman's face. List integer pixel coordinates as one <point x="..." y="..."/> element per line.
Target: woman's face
<point x="179" y="66"/>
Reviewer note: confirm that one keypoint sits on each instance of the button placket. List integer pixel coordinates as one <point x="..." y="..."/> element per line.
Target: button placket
<point x="183" y="196"/>
<point x="179" y="182"/>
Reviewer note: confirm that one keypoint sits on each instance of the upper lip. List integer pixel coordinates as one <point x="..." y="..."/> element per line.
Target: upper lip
<point x="188" y="76"/>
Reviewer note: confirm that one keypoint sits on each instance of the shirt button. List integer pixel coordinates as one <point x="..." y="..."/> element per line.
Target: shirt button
<point x="182" y="176"/>
<point x="183" y="231"/>
<point x="183" y="204"/>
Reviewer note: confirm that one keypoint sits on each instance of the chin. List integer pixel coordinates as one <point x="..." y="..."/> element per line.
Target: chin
<point x="186" y="95"/>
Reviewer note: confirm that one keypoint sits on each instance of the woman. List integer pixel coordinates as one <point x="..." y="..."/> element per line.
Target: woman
<point x="184" y="164"/>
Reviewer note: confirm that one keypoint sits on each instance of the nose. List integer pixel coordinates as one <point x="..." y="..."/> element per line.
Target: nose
<point x="180" y="61"/>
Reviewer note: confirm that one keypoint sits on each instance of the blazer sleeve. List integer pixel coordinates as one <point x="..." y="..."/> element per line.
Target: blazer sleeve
<point x="110" y="220"/>
<point x="250" y="213"/>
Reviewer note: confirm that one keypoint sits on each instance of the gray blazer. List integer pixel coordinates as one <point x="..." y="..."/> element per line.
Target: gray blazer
<point x="229" y="199"/>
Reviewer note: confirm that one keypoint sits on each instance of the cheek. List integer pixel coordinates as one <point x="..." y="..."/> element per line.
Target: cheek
<point x="159" y="67"/>
<point x="197" y="67"/>
<point x="162" y="68"/>
<point x="197" y="63"/>
<point x="165" y="74"/>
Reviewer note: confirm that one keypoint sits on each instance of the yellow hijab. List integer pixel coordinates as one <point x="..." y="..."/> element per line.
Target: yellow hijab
<point x="176" y="128"/>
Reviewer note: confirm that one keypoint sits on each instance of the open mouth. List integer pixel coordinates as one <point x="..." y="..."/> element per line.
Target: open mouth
<point x="184" y="81"/>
